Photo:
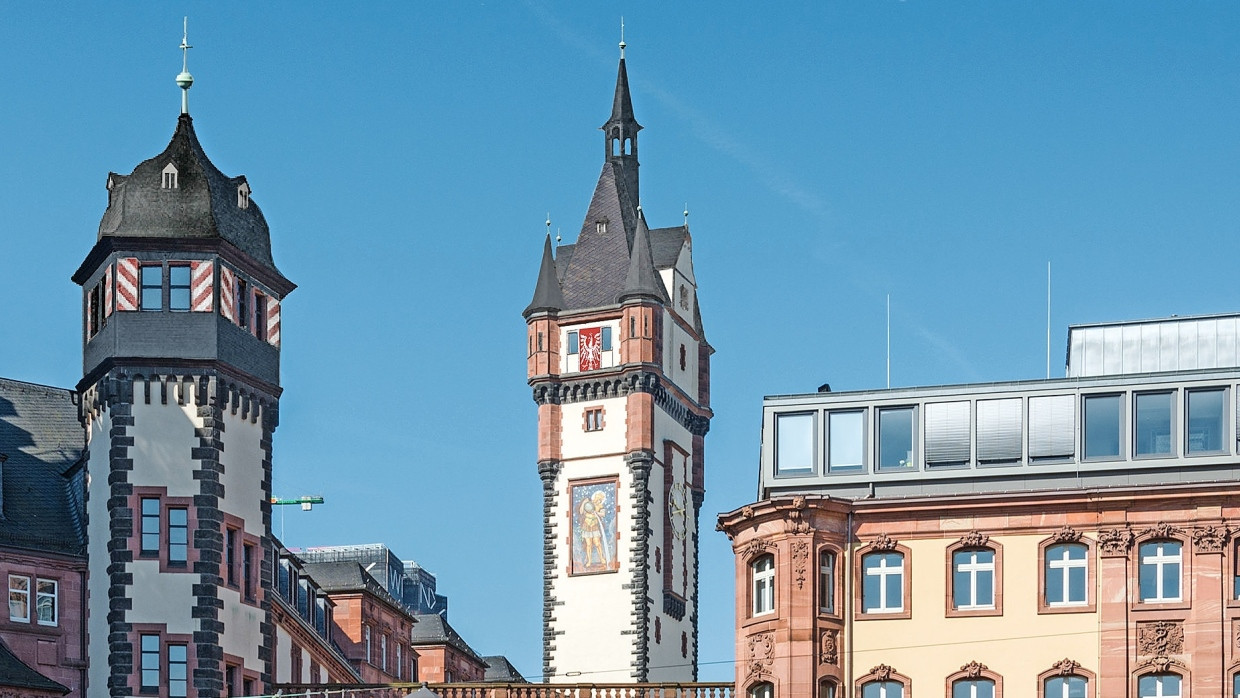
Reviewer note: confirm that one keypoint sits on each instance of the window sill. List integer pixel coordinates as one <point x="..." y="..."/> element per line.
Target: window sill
<point x="1048" y="609"/>
<point x="1155" y="606"/>
<point x="884" y="615"/>
<point x="974" y="612"/>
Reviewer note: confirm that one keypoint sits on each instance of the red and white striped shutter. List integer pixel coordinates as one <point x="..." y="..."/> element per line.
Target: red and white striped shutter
<point x="202" y="287"/>
<point x="126" y="284"/>
<point x="107" y="291"/>
<point x="228" y="289"/>
<point x="273" y="323"/>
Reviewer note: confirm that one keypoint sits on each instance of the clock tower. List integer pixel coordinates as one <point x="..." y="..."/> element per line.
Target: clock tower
<point x="620" y="369"/>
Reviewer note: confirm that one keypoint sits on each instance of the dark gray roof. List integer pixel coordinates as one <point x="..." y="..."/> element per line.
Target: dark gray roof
<point x="433" y="629"/>
<point x="642" y="281"/>
<point x="563" y="255"/>
<point x="500" y="670"/>
<point x="43" y="486"/>
<point x="622" y="102"/>
<point x="665" y="244"/>
<point x="15" y="674"/>
<point x="547" y="292"/>
<point x="204" y="204"/>
<point x="347" y="576"/>
<point x="600" y="259"/>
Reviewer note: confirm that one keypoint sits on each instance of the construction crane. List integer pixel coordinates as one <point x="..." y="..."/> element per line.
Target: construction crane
<point x="307" y="502"/>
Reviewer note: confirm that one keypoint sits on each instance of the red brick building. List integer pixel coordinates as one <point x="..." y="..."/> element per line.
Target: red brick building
<point x="371" y="627"/>
<point x="443" y="655"/>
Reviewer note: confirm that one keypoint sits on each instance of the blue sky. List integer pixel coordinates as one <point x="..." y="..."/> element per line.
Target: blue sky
<point x="407" y="154"/>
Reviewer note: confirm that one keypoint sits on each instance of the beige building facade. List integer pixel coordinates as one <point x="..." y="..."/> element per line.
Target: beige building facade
<point x="1066" y="538"/>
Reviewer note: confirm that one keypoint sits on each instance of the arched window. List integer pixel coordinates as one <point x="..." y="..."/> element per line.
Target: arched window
<point x="973" y="579"/>
<point x="826" y="582"/>
<point x="973" y="688"/>
<point x="762" y="571"/>
<point x="1066" y="575"/>
<point x="1065" y="687"/>
<point x="882" y="589"/>
<point x="1159" y="686"/>
<point x="1159" y="564"/>
<point x="762" y="690"/>
<point x="882" y="689"/>
<point x="826" y="689"/>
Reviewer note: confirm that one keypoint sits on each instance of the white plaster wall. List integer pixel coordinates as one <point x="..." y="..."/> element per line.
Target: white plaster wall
<point x="666" y="662"/>
<point x="163" y="437"/>
<point x="241" y="628"/>
<point x="162" y="598"/>
<point x="673" y="337"/>
<point x="283" y="648"/>
<point x="576" y="442"/>
<point x="98" y="534"/>
<point x="243" y="470"/>
<point x="569" y="362"/>
<point x="594" y="610"/>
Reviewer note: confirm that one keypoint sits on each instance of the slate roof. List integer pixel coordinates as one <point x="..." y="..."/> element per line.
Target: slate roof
<point x="43" y="485"/>
<point x="204" y="204"/>
<point x="433" y="629"/>
<point x="665" y="244"/>
<point x="500" y="670"/>
<point x="15" y="674"/>
<point x="547" y="293"/>
<point x="642" y="281"/>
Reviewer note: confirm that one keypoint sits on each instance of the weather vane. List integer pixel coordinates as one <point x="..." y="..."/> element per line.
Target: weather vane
<point x="185" y="80"/>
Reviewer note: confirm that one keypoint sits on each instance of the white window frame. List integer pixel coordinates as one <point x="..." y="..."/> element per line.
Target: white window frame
<point x="54" y="595"/>
<point x="17" y="591"/>
<point x="972" y="685"/>
<point x="1158" y="686"/>
<point x="972" y="569"/>
<point x="884" y="574"/>
<point x="1068" y="564"/>
<point x="383" y="651"/>
<point x="366" y="638"/>
<point x="1065" y="692"/>
<point x="762" y="572"/>
<point x="826" y="581"/>
<point x="1159" y="561"/>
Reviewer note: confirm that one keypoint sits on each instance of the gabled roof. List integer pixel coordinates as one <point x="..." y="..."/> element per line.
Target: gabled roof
<point x="337" y="577"/>
<point x="499" y="669"/>
<point x="665" y="245"/>
<point x="600" y="258"/>
<point x="41" y="504"/>
<point x="15" y="674"/>
<point x="433" y="629"/>
<point x="204" y="203"/>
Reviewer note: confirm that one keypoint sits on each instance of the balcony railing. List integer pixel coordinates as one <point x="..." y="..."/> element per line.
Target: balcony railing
<point x="515" y="690"/>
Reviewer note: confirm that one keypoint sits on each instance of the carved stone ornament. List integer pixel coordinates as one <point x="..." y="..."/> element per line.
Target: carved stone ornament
<point x="828" y="647"/>
<point x="973" y="670"/>
<point x="796" y="522"/>
<point x="1066" y="667"/>
<point x="1115" y="541"/>
<point x="746" y="512"/>
<point x="761" y="651"/>
<point x="1237" y="634"/>
<point x="1210" y="539"/>
<point x="1162" y="530"/>
<point x="881" y="543"/>
<point x="882" y="672"/>
<point x="800" y="558"/>
<point x="798" y="502"/>
<point x="1067" y="534"/>
<point x="1160" y="638"/>
<point x="1161" y="664"/>
<point x="755" y="548"/>
<point x="974" y="539"/>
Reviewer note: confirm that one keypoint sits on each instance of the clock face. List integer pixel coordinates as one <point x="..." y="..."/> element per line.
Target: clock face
<point x="677" y="509"/>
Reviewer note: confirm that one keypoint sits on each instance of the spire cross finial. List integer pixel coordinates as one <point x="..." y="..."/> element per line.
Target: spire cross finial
<point x="185" y="80"/>
<point x="686" y="214"/>
<point x="622" y="44"/>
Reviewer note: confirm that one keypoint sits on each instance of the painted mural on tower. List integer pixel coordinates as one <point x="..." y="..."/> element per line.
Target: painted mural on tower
<point x="594" y="532"/>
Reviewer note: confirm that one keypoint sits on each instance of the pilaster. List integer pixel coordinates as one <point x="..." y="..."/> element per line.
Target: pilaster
<point x="119" y="398"/>
<point x="548" y="472"/>
<point x="640" y="463"/>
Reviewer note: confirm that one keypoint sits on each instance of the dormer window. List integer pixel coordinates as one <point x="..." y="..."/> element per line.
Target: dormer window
<point x="243" y="196"/>
<point x="170" y="176"/>
<point x="600" y="226"/>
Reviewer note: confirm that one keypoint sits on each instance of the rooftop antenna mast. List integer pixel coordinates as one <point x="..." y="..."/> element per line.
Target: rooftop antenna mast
<point x="1048" y="318"/>
<point x="888" y="340"/>
<point x="185" y="80"/>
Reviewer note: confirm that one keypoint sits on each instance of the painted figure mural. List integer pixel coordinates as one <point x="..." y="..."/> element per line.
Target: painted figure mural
<point x="594" y="527"/>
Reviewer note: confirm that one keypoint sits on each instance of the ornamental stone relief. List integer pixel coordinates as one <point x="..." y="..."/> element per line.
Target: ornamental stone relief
<point x="828" y="647"/>
<point x="974" y="539"/>
<point x="1160" y="638"/>
<point x="882" y="672"/>
<point x="973" y="670"/>
<point x="754" y="548"/>
<point x="1115" y="541"/>
<point x="1067" y="534"/>
<point x="761" y="651"/>
<point x="800" y="559"/>
<point x="883" y="542"/>
<point x="1210" y="539"/>
<point x="1066" y="667"/>
<point x="1162" y="530"/>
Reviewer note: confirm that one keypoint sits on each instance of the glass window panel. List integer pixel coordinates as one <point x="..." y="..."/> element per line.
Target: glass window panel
<point x="178" y="287"/>
<point x="1153" y="421"/>
<point x="572" y="342"/>
<point x="895" y="591"/>
<point x="45" y="606"/>
<point x="847" y="440"/>
<point x="1205" y="421"/>
<point x="1054" y="584"/>
<point x="826" y="582"/>
<point x="152" y="288"/>
<point x="871" y="592"/>
<point x="794" y="443"/>
<point x="606" y="339"/>
<point x="826" y="689"/>
<point x="895" y="438"/>
<point x="1159" y="571"/>
<point x="947" y="433"/>
<point x="1065" y="687"/>
<point x="1235" y="685"/>
<point x="976" y="688"/>
<point x="1102" y="426"/>
<point x="1159" y="686"/>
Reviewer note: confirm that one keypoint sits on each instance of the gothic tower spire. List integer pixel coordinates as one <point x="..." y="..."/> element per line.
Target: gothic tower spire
<point x="621" y="132"/>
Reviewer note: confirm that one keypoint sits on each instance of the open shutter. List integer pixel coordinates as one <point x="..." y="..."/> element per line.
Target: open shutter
<point x="201" y="285"/>
<point x="273" y="322"/>
<point x="126" y="284"/>
<point x="228" y="287"/>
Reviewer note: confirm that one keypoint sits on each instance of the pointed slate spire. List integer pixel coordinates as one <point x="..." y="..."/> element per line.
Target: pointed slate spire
<point x="642" y="280"/>
<point x="547" y="293"/>
<point x="622" y="103"/>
